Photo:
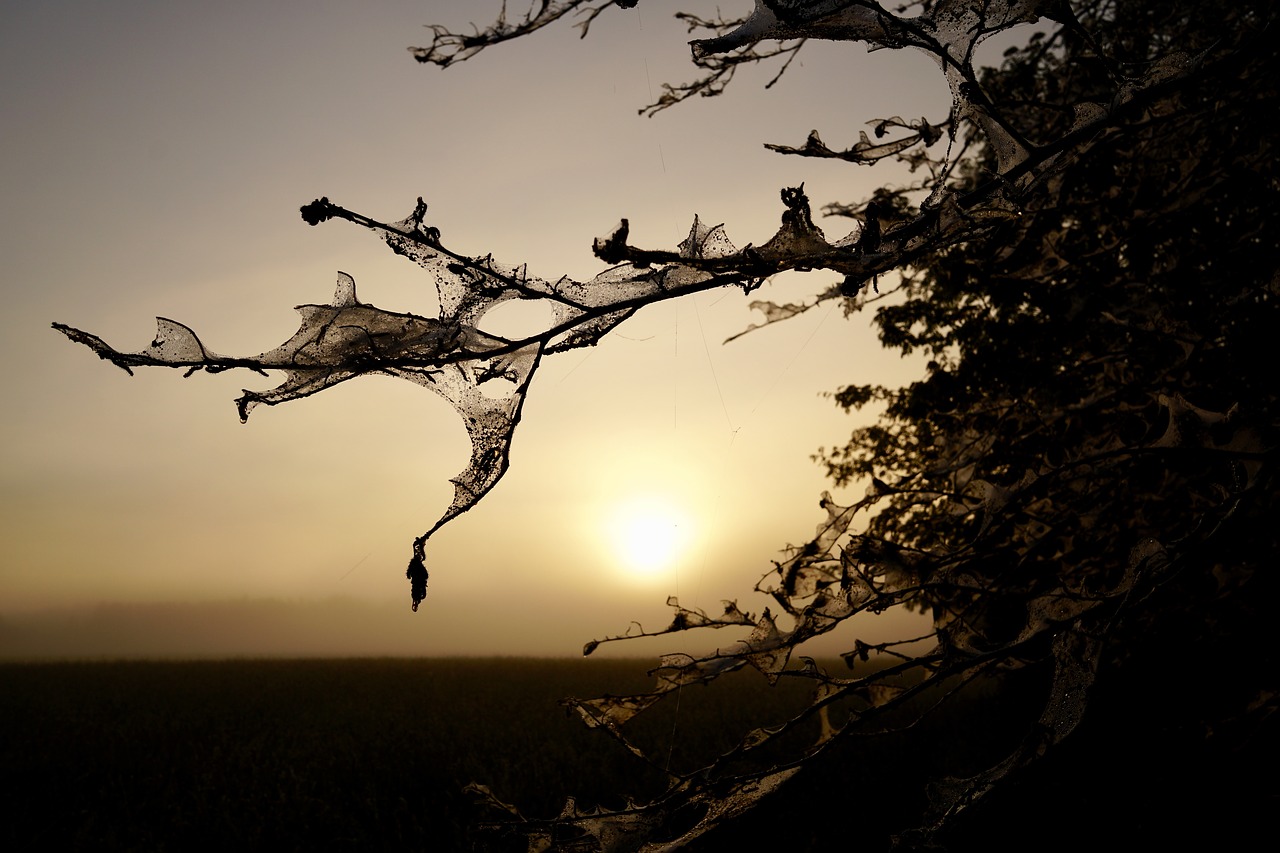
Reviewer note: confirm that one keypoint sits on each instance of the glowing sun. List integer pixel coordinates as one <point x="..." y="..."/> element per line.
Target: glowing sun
<point x="647" y="536"/>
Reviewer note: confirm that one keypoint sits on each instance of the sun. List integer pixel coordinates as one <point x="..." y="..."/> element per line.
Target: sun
<point x="648" y="535"/>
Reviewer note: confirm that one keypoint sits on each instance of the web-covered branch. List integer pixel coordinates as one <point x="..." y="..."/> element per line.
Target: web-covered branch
<point x="484" y="377"/>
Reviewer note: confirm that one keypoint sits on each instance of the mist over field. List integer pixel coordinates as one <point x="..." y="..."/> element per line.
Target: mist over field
<point x="336" y="627"/>
<point x="332" y="627"/>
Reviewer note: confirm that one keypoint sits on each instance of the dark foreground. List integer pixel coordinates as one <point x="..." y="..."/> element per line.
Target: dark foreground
<point x="342" y="754"/>
<point x="374" y="754"/>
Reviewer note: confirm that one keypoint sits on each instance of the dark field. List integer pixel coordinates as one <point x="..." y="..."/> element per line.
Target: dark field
<point x="351" y="754"/>
<point x="373" y="755"/>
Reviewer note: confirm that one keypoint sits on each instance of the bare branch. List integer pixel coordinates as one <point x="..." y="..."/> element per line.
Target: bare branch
<point x="448" y="47"/>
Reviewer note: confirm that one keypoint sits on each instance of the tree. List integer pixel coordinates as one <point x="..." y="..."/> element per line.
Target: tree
<point x="1079" y="488"/>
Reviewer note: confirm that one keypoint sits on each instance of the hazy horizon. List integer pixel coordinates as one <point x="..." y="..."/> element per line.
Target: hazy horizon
<point x="337" y="627"/>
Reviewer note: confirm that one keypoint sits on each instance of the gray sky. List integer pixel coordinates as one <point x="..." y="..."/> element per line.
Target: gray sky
<point x="154" y="158"/>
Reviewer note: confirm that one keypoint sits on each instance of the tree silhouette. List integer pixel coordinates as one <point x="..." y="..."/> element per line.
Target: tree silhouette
<point x="1080" y="487"/>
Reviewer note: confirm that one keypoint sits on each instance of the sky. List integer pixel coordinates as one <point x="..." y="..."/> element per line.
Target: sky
<point x="154" y="158"/>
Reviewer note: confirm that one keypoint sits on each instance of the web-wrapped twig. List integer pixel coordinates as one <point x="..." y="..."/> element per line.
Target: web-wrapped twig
<point x="485" y="377"/>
